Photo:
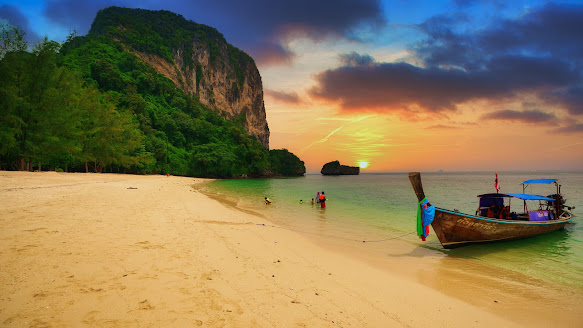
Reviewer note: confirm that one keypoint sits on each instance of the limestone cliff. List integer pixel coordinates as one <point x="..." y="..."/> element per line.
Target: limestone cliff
<point x="196" y="58"/>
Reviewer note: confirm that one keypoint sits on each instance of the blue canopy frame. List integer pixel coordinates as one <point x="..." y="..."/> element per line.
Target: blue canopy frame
<point x="519" y="196"/>
<point x="539" y="181"/>
<point x="496" y="202"/>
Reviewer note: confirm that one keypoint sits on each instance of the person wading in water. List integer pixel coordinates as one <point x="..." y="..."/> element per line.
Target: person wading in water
<point x="322" y="200"/>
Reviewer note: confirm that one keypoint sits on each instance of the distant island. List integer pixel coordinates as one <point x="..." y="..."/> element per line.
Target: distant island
<point x="335" y="168"/>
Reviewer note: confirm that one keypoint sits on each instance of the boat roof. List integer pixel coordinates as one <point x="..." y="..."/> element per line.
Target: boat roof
<point x="539" y="181"/>
<point x="519" y="196"/>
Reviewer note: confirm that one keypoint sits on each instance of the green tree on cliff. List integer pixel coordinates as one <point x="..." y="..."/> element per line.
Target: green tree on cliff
<point x="90" y="105"/>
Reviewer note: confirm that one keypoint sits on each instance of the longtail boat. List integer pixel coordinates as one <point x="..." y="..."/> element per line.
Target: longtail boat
<point x="493" y="220"/>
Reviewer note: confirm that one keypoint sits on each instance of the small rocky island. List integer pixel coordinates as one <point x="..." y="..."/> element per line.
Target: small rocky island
<point x="334" y="168"/>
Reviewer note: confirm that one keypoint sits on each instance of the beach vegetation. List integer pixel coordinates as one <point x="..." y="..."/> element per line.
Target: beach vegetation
<point x="286" y="163"/>
<point x="89" y="105"/>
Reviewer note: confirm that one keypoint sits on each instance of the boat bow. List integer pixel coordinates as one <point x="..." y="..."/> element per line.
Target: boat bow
<point x="454" y="229"/>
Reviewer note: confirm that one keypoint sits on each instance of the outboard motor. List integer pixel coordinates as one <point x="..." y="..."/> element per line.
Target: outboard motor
<point x="559" y="203"/>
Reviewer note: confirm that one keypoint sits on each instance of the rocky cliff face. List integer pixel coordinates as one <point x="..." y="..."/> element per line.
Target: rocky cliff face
<point x="196" y="57"/>
<point x="217" y="84"/>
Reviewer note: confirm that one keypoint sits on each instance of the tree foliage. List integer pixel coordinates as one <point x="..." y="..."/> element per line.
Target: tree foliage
<point x="51" y="116"/>
<point x="286" y="163"/>
<point x="90" y="105"/>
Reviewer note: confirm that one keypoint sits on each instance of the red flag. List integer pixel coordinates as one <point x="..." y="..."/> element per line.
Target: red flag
<point x="496" y="185"/>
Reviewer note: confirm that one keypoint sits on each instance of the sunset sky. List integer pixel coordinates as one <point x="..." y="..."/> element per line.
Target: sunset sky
<point x="401" y="85"/>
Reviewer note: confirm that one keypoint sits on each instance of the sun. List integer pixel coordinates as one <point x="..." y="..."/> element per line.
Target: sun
<point x="363" y="165"/>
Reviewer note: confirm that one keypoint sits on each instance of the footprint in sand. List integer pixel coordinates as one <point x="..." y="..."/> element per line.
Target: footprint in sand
<point x="147" y="245"/>
<point x="145" y="305"/>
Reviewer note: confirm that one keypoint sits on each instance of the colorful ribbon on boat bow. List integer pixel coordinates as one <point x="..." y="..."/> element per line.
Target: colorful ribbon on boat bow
<point x="425" y="215"/>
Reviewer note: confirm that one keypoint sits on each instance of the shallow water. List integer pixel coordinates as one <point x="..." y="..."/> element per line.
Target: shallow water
<point x="375" y="207"/>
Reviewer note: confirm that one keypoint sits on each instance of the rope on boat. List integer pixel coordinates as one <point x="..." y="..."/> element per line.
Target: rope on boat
<point x="376" y="241"/>
<point x="331" y="236"/>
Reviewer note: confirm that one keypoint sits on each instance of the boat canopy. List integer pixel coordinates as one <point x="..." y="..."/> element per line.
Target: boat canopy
<point x="519" y="196"/>
<point x="539" y="181"/>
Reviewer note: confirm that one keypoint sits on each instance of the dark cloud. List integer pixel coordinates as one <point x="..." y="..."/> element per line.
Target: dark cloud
<point x="16" y="18"/>
<point x="314" y="19"/>
<point x="571" y="97"/>
<point x="356" y="59"/>
<point x="573" y="128"/>
<point x="286" y="97"/>
<point x="394" y="86"/>
<point x="551" y="31"/>
<point x="388" y="86"/>
<point x="554" y="30"/>
<point x="271" y="54"/>
<point x="261" y="27"/>
<point x="527" y="116"/>
<point x="443" y="46"/>
<point x="537" y="53"/>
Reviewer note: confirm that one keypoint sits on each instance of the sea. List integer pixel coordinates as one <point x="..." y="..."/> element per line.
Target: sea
<point x="382" y="208"/>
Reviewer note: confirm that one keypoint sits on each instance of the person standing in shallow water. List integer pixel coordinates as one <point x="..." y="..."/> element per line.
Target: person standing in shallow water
<point x="322" y="200"/>
<point x="318" y="197"/>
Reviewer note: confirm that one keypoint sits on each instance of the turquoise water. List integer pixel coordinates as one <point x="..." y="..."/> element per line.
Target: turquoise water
<point x="383" y="206"/>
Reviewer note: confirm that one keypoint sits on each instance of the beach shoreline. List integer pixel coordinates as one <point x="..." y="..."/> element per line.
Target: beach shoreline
<point x="126" y="250"/>
<point x="509" y="293"/>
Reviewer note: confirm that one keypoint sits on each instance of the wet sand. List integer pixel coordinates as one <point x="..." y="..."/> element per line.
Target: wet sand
<point x="107" y="250"/>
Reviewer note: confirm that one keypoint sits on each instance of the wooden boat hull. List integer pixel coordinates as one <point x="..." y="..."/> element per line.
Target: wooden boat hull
<point x="455" y="229"/>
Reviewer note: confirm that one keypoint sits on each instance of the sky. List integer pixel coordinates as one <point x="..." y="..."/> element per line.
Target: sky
<point x="400" y="85"/>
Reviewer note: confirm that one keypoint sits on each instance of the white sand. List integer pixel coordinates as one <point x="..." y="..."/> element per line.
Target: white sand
<point x="81" y="250"/>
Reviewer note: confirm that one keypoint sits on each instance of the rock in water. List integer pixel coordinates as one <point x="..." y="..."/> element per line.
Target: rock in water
<point x="335" y="168"/>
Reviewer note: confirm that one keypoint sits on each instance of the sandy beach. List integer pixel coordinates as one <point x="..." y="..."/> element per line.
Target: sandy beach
<point x="110" y="250"/>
